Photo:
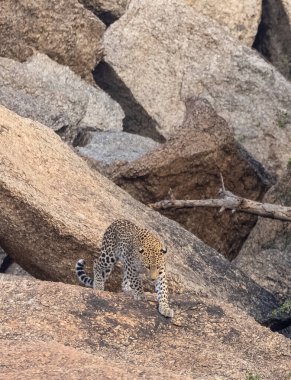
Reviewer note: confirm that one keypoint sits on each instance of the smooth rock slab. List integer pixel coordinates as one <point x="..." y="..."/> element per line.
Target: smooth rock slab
<point x="52" y="94"/>
<point x="109" y="147"/>
<point x="52" y="360"/>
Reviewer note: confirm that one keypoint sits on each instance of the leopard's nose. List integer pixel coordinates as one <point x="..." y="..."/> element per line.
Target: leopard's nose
<point x="154" y="273"/>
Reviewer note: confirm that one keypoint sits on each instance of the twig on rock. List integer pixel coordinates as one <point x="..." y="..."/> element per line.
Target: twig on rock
<point x="171" y="195"/>
<point x="229" y="201"/>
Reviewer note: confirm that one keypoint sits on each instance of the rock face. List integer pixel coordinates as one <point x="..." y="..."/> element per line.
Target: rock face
<point x="273" y="40"/>
<point x="53" y="325"/>
<point x="152" y="66"/>
<point x="52" y="94"/>
<point x="107" y="10"/>
<point x="241" y="17"/>
<point x="63" y="29"/>
<point x="106" y="150"/>
<point x="52" y="360"/>
<point x="190" y="164"/>
<point x="266" y="255"/>
<point x="59" y="209"/>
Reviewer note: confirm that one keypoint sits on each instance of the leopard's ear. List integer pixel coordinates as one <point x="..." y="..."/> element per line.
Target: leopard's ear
<point x="141" y="250"/>
<point x="164" y="250"/>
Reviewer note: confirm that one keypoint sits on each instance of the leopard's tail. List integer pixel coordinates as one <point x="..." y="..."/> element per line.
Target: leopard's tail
<point x="83" y="278"/>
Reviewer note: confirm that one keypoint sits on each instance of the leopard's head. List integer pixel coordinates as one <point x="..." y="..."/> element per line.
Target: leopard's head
<point x="153" y="254"/>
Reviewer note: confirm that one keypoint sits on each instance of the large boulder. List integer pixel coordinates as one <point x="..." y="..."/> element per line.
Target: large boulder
<point x="46" y="327"/>
<point x="189" y="164"/>
<point x="241" y="17"/>
<point x="62" y="29"/>
<point x="54" y="210"/>
<point x="161" y="52"/>
<point x="266" y="255"/>
<point x="52" y="94"/>
<point x="273" y="40"/>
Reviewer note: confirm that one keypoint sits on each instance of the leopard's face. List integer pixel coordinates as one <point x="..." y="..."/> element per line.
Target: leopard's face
<point x="153" y="254"/>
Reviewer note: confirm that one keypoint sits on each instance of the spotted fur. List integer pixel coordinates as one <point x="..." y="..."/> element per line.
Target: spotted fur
<point x="139" y="250"/>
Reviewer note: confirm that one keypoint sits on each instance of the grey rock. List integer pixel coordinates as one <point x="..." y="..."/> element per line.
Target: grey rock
<point x="161" y="52"/>
<point x="63" y="29"/>
<point x="266" y="255"/>
<point x="52" y="94"/>
<point x="109" y="147"/>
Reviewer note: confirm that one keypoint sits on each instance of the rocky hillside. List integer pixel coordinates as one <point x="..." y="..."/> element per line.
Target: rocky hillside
<point x="106" y="106"/>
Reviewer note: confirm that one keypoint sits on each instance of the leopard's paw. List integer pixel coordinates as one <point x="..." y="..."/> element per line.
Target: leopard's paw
<point x="166" y="311"/>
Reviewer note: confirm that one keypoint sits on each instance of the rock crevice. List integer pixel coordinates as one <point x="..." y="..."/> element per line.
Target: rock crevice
<point x="136" y="120"/>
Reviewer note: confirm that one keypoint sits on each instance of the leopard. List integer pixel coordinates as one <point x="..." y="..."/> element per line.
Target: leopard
<point x="141" y="252"/>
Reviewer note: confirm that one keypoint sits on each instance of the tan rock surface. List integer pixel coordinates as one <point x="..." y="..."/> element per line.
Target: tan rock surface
<point x="190" y="163"/>
<point x="63" y="29"/>
<point x="153" y="65"/>
<point x="241" y="17"/>
<point x="50" y="360"/>
<point x="54" y="210"/>
<point x="206" y="340"/>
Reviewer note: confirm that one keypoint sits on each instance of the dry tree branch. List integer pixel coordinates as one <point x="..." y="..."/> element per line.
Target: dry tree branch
<point x="229" y="201"/>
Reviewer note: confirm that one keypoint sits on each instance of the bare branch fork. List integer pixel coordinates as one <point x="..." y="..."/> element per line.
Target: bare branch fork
<point x="228" y="201"/>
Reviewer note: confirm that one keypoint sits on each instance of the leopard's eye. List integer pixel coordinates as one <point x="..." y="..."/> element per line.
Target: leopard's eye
<point x="164" y="250"/>
<point x="141" y="250"/>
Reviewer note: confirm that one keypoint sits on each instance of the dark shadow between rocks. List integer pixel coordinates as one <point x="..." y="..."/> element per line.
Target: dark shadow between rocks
<point x="5" y="263"/>
<point x="106" y="17"/>
<point x="274" y="36"/>
<point x="136" y="120"/>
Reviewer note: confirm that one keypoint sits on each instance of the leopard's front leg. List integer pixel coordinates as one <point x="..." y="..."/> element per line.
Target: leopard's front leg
<point x="162" y="291"/>
<point x="131" y="281"/>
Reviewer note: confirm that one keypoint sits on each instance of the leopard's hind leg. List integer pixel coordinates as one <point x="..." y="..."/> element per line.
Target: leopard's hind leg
<point x="102" y="268"/>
